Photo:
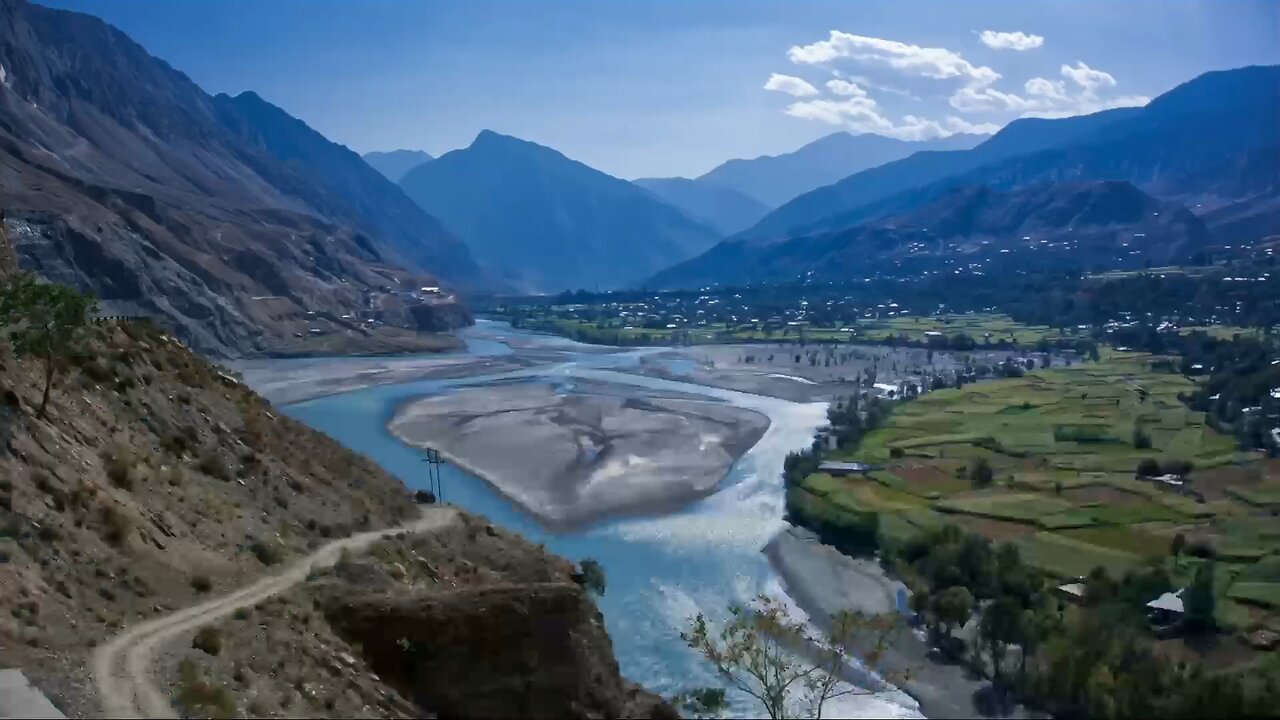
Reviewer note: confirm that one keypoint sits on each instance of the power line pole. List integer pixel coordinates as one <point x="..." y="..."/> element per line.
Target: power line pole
<point x="8" y="256"/>
<point x="434" y="480"/>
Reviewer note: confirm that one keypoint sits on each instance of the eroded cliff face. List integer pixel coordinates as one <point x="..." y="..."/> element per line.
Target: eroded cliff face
<point x="474" y="622"/>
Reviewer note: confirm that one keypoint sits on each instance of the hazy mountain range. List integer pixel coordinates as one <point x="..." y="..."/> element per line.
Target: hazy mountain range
<point x="724" y="209"/>
<point x="1192" y="142"/>
<point x="394" y="164"/>
<point x="544" y="222"/>
<point x="1069" y="225"/>
<point x="121" y="176"/>
<point x="1211" y="145"/>
<point x="776" y="179"/>
<point x="226" y="215"/>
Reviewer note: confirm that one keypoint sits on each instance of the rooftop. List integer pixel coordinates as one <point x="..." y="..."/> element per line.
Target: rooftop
<point x="1168" y="601"/>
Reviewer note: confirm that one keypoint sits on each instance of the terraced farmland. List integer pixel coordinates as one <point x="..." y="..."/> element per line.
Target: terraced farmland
<point x="1063" y="446"/>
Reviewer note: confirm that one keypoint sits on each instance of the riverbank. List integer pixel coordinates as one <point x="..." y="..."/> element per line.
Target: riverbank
<point x="823" y="581"/>
<point x="663" y="568"/>
<point x="573" y="453"/>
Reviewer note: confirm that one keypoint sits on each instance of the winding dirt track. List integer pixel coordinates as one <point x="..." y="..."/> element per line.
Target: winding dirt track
<point x="122" y="668"/>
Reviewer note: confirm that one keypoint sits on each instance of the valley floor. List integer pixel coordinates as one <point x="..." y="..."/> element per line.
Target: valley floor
<point x="552" y="441"/>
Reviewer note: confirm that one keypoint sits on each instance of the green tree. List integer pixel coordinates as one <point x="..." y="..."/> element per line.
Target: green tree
<point x="1200" y="600"/>
<point x="980" y="472"/>
<point x="1179" y="544"/>
<point x="1001" y="625"/>
<point x="702" y="702"/>
<point x="592" y="577"/>
<point x="1141" y="440"/>
<point x="1038" y="625"/>
<point x="50" y="320"/>
<point x="952" y="607"/>
<point x="763" y="652"/>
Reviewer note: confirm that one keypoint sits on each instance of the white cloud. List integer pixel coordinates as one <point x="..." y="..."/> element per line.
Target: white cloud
<point x="936" y="63"/>
<point x="1050" y="98"/>
<point x="969" y="99"/>
<point x="1088" y="78"/>
<point x="866" y="82"/>
<point x="1018" y="40"/>
<point x="790" y="85"/>
<point x="862" y="114"/>
<point x="1043" y="87"/>
<point x="846" y="100"/>
<point x="844" y="87"/>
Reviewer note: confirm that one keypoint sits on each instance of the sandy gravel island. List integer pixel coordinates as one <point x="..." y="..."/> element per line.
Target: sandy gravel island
<point x="571" y="454"/>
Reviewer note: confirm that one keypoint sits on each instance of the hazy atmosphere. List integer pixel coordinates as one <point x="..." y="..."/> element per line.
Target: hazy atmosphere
<point x="674" y="88"/>
<point x="639" y="359"/>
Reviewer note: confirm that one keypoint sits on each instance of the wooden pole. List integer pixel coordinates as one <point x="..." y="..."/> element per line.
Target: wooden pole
<point x="8" y="256"/>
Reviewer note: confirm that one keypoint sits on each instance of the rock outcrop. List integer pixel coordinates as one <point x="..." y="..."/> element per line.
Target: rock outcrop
<point x="529" y="650"/>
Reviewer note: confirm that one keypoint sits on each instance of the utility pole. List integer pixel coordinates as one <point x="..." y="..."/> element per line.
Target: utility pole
<point x="8" y="256"/>
<point x="434" y="481"/>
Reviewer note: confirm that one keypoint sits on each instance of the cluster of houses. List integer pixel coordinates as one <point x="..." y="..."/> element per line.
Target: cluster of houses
<point x="1163" y="612"/>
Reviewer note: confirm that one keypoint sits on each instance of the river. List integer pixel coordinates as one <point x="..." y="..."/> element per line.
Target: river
<point x="661" y="570"/>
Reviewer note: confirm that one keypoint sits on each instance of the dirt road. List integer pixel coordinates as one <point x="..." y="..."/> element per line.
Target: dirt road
<point x="123" y="667"/>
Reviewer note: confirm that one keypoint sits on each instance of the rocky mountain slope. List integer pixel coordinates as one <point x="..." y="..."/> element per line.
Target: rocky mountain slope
<point x="722" y="209"/>
<point x="1191" y="144"/>
<point x="157" y="481"/>
<point x="224" y="217"/>
<point x="548" y="223"/>
<point x="1077" y="226"/>
<point x="394" y="164"/>
<point x="776" y="179"/>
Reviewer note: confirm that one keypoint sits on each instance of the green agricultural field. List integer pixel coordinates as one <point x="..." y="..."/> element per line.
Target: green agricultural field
<point x="1081" y="419"/>
<point x="982" y="327"/>
<point x="1267" y="496"/>
<point x="1061" y="446"/>
<point x="1223" y="332"/>
<point x="1068" y="558"/>
<point x="1024" y="507"/>
<point x="1258" y="593"/>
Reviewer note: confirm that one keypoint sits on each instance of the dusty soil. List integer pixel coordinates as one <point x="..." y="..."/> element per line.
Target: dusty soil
<point x="123" y="668"/>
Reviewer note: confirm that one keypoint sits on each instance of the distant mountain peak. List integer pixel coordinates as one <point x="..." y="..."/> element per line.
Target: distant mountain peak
<point x="395" y="164"/>
<point x="1192" y="141"/>
<point x="550" y="222"/>
<point x="776" y="179"/>
<point x="492" y="137"/>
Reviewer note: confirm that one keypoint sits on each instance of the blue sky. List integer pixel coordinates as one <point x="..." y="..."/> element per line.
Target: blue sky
<point x="674" y="87"/>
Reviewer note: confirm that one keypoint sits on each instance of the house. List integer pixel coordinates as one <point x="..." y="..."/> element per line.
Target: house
<point x="887" y="390"/>
<point x="840" y="469"/>
<point x="1166" y="609"/>
<point x="1071" y="592"/>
